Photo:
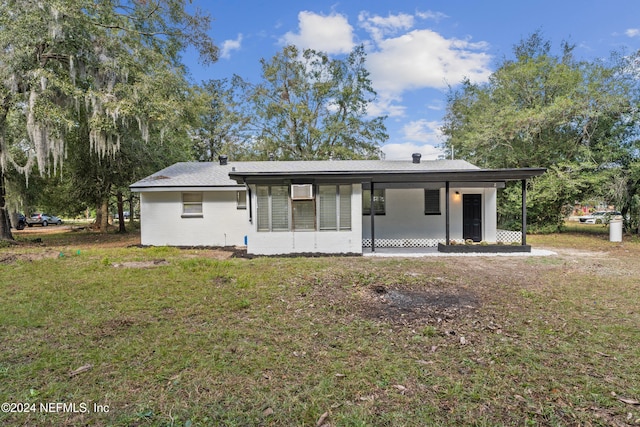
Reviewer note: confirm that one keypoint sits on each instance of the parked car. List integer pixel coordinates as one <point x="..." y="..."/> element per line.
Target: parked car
<point x="22" y="222"/>
<point x="125" y="215"/>
<point x="43" y="219"/>
<point x="599" y="217"/>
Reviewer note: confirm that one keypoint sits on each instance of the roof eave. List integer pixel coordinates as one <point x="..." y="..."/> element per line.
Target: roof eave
<point x="155" y="188"/>
<point x="461" y="175"/>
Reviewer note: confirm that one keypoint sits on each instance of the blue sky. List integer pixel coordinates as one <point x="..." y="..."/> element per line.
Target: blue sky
<point x="415" y="50"/>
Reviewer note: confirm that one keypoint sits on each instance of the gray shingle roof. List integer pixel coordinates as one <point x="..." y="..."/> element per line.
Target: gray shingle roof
<point x="212" y="174"/>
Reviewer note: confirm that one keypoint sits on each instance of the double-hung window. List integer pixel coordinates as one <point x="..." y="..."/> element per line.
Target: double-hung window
<point x="192" y="205"/>
<point x="322" y="207"/>
<point x="273" y="207"/>
<point x="263" y="208"/>
<point x="241" y="199"/>
<point x="280" y="208"/>
<point x="334" y="205"/>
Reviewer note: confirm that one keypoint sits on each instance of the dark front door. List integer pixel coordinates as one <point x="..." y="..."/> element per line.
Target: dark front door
<point x="472" y="217"/>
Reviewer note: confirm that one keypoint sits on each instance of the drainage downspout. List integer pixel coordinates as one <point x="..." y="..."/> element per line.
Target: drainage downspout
<point x="250" y="200"/>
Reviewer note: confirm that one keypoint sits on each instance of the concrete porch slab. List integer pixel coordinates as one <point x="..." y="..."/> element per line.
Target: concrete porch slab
<point x="433" y="252"/>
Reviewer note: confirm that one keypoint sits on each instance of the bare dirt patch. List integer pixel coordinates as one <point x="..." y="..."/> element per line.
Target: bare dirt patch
<point x="213" y="253"/>
<point x="579" y="253"/>
<point x="114" y="327"/>
<point x="141" y="264"/>
<point x="79" y="237"/>
<point x="38" y="229"/>
<point x="9" y="258"/>
<point x="427" y="304"/>
<point x="476" y="294"/>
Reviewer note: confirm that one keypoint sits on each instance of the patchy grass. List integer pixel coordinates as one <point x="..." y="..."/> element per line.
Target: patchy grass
<point x="194" y="337"/>
<point x="578" y="227"/>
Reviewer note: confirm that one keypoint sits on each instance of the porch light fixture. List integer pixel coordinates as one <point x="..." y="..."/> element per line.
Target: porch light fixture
<point x="456" y="195"/>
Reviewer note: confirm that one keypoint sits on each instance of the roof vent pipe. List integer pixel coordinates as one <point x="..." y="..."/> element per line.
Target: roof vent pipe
<point x="223" y="159"/>
<point x="416" y="157"/>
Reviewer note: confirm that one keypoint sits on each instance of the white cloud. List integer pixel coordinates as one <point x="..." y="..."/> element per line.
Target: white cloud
<point x="421" y="136"/>
<point x="424" y="58"/>
<point x="378" y="26"/>
<point x="385" y="105"/>
<point x="331" y="34"/>
<point x="633" y="32"/>
<point x="436" y="16"/>
<point x="230" y="45"/>
<point x="436" y="105"/>
<point x="423" y="131"/>
<point x="401" y="57"/>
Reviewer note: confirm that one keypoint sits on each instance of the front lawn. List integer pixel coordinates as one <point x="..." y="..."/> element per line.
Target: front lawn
<point x="97" y="331"/>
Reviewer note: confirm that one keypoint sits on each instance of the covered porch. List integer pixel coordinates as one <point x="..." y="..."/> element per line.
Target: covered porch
<point x="465" y="211"/>
<point x="426" y="205"/>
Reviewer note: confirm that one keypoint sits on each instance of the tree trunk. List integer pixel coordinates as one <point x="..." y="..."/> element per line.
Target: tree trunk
<point x="98" y="217"/>
<point x="5" y="225"/>
<point x="5" y="222"/>
<point x="121" y="228"/>
<point x="104" y="216"/>
<point x="130" y="208"/>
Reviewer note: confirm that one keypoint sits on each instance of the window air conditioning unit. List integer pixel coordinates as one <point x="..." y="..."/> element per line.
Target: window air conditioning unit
<point x="301" y="191"/>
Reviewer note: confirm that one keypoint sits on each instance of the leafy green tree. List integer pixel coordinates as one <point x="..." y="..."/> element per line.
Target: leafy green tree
<point x="550" y="196"/>
<point x="544" y="110"/>
<point x="71" y="66"/>
<point x="224" y="121"/>
<point x="96" y="180"/>
<point x="309" y="106"/>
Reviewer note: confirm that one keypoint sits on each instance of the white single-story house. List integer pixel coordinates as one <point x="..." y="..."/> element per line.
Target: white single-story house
<point x="288" y="207"/>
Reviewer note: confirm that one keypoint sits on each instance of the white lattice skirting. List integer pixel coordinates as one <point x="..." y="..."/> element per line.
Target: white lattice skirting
<point x="504" y="236"/>
<point x="508" y="236"/>
<point x="403" y="243"/>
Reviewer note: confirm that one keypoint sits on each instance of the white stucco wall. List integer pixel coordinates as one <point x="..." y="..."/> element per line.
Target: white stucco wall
<point x="405" y="218"/>
<point x="221" y="224"/>
<point x="329" y="242"/>
<point x="490" y="214"/>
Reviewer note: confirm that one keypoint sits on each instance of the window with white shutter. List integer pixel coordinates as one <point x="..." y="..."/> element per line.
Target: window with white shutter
<point x="334" y="207"/>
<point x="328" y="204"/>
<point x="262" y="194"/>
<point x="344" y="199"/>
<point x="432" y="202"/>
<point x="328" y="209"/>
<point x="279" y="208"/>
